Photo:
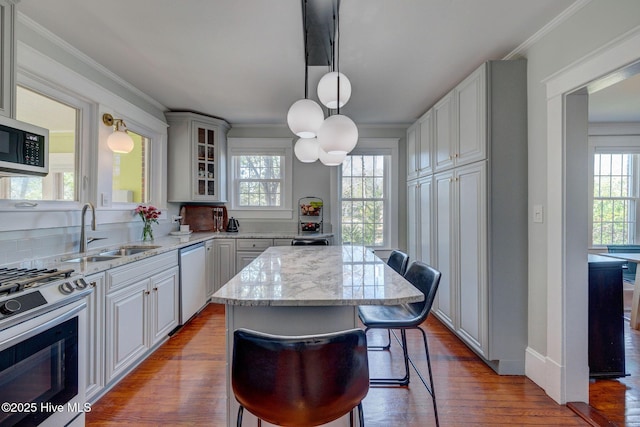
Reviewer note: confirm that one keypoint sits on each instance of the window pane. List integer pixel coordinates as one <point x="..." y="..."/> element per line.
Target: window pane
<point x="61" y="121"/>
<point x="131" y="172"/>
<point x="362" y="200"/>
<point x="614" y="201"/>
<point x="260" y="180"/>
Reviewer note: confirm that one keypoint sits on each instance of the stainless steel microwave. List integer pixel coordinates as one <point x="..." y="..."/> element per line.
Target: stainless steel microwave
<point x="24" y="148"/>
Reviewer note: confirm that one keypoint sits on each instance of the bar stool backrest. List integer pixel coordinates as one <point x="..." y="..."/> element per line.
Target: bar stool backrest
<point x="399" y="261"/>
<point x="300" y="381"/>
<point x="426" y="279"/>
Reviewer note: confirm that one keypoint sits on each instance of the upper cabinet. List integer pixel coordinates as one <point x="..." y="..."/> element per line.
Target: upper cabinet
<point x="7" y="57"/>
<point x="419" y="142"/>
<point x="196" y="158"/>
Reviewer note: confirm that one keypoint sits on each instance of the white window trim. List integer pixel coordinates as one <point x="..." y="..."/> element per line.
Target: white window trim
<point x="258" y="146"/>
<point x="373" y="146"/>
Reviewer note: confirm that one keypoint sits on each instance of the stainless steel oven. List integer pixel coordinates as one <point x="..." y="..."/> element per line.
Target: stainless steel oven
<point x="43" y="351"/>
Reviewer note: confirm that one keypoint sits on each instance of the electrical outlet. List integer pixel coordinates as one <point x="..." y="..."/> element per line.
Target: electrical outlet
<point x="175" y="218"/>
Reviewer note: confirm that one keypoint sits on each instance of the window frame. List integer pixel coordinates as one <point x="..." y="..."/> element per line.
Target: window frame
<point x="613" y="144"/>
<point x="373" y="146"/>
<point x="260" y="146"/>
<point x="82" y="150"/>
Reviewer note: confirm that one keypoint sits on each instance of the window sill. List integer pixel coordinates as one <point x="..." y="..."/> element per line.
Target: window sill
<point x="261" y="213"/>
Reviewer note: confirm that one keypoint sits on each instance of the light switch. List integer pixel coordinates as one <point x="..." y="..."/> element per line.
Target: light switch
<point x="538" y="215"/>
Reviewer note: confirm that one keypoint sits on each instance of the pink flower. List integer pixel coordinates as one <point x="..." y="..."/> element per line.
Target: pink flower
<point x="149" y="214"/>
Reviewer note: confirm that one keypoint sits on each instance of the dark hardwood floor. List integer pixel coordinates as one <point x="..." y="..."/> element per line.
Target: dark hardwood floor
<point x="183" y="384"/>
<point x="619" y="399"/>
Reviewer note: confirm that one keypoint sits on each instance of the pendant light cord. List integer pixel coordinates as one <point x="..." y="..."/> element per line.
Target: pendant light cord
<point x="306" y="50"/>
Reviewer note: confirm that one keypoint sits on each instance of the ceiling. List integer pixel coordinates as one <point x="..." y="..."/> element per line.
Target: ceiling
<point x="243" y="60"/>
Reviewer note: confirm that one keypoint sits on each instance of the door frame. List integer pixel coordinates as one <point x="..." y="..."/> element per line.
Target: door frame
<point x="566" y="376"/>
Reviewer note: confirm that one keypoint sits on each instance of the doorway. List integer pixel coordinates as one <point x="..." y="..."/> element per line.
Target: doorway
<point x="567" y="124"/>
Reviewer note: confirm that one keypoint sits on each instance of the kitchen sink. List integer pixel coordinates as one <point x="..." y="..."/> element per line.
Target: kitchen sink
<point x="128" y="250"/>
<point x="93" y="258"/>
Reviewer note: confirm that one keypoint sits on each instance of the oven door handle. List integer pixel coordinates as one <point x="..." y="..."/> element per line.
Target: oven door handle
<point x="55" y="319"/>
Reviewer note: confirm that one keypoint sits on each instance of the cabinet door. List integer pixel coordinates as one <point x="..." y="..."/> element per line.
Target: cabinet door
<point x="224" y="251"/>
<point x="412" y="220"/>
<point x="245" y="258"/>
<point x="472" y="254"/>
<point x="205" y="147"/>
<point x="95" y="336"/>
<point x="7" y="57"/>
<point x="412" y="151"/>
<point x="210" y="279"/>
<point x="444" y="136"/>
<point x="425" y="138"/>
<point x="443" y="246"/>
<point x="164" y="310"/>
<point x="424" y="220"/>
<point x="126" y="320"/>
<point x="471" y="108"/>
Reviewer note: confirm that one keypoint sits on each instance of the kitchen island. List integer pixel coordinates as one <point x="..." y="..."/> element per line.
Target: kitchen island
<point x="300" y="290"/>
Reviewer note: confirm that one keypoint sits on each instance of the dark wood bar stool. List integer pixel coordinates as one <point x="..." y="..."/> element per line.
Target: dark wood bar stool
<point x="300" y="381"/>
<point x="407" y="316"/>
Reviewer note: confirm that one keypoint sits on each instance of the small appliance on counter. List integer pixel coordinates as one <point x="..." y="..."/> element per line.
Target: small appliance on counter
<point x="233" y="225"/>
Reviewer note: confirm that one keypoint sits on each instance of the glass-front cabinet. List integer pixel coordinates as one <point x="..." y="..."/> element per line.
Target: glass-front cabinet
<point x="197" y="157"/>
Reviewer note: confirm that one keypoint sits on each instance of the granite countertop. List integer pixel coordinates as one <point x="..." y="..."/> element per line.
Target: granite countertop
<point x="157" y="246"/>
<point x="317" y="276"/>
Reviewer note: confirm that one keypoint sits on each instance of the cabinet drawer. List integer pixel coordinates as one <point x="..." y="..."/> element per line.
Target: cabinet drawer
<point x="253" y="244"/>
<point x="282" y="242"/>
<point x="145" y="268"/>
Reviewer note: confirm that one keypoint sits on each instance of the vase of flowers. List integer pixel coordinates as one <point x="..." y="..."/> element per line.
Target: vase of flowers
<point x="149" y="215"/>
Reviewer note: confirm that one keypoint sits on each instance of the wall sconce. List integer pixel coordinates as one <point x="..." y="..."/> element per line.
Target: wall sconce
<point x="119" y="141"/>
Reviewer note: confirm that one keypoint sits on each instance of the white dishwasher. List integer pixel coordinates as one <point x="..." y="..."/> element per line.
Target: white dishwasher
<point x="193" y="285"/>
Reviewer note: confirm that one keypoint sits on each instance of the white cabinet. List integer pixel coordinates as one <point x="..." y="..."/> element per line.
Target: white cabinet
<point x="460" y="123"/>
<point x="479" y="213"/>
<point x="95" y="336"/>
<point x="444" y="133"/>
<point x="461" y="247"/>
<point x="419" y="146"/>
<point x="224" y="263"/>
<point x="249" y="249"/>
<point x="141" y="309"/>
<point x="419" y="219"/>
<point x="412" y="151"/>
<point x="196" y="158"/>
<point x="7" y="57"/>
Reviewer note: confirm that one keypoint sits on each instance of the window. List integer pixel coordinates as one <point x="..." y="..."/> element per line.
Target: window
<point x="260" y="177"/>
<point x="615" y="198"/>
<point x="62" y="122"/>
<point x="259" y="180"/>
<point x="131" y="172"/>
<point x="363" y="200"/>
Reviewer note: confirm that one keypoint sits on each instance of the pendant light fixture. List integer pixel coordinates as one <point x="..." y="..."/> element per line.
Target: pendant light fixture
<point x="305" y="115"/>
<point x="307" y="150"/>
<point x="330" y="139"/>
<point x="338" y="134"/>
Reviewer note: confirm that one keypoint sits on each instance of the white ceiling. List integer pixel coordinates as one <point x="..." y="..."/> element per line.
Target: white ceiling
<point x="243" y="60"/>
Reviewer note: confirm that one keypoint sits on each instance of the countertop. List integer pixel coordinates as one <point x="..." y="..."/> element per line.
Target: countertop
<point x="157" y="246"/>
<point x="317" y="276"/>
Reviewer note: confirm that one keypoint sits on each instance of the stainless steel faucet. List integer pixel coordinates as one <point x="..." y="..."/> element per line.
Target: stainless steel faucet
<point x="83" y="236"/>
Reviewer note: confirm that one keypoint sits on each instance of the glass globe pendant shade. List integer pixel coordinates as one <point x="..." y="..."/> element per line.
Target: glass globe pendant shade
<point x="304" y="118"/>
<point x="338" y="134"/>
<point x="307" y="150"/>
<point x="328" y="90"/>
<point x="120" y="142"/>
<point x="331" y="159"/>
